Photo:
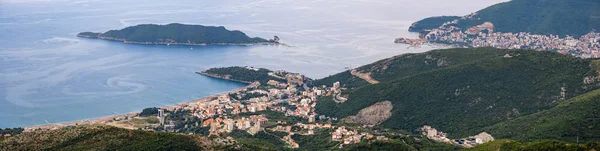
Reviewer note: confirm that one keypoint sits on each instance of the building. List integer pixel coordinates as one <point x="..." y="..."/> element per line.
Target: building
<point x="161" y="116"/>
<point x="229" y="123"/>
<point x="311" y="118"/>
<point x="311" y="132"/>
<point x="255" y="129"/>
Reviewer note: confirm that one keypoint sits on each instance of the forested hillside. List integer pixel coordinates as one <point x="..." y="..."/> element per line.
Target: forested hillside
<point x="546" y="145"/>
<point x="462" y="91"/>
<point x="577" y="119"/>
<point x="557" y="17"/>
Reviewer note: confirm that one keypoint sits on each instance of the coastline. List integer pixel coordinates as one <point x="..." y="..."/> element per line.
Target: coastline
<point x="181" y="44"/>
<point x="105" y="120"/>
<point x="221" y="77"/>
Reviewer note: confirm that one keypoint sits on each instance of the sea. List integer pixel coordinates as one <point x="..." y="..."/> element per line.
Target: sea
<point x="48" y="75"/>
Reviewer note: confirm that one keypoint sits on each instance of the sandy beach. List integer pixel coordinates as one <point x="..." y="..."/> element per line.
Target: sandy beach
<point x="107" y="119"/>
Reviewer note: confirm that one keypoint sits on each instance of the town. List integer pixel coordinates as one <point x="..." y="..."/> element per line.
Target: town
<point x="287" y="95"/>
<point x="285" y="104"/>
<point x="587" y="46"/>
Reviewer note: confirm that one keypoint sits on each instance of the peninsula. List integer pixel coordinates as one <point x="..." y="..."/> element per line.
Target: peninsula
<point x="179" y="34"/>
<point x="569" y="27"/>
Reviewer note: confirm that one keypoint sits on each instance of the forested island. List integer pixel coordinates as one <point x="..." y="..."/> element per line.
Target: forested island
<point x="179" y="34"/>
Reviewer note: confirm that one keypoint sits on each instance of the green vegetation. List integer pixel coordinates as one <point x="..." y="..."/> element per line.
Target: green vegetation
<point x="396" y="144"/>
<point x="258" y="144"/>
<point x="273" y="117"/>
<point x="152" y="120"/>
<point x="431" y="23"/>
<point x="399" y="140"/>
<point x="108" y="138"/>
<point x="407" y="65"/>
<point x="320" y="141"/>
<point x="243" y="74"/>
<point x="345" y="78"/>
<point x="176" y="34"/>
<point x="380" y="146"/>
<point x="89" y="34"/>
<point x="149" y="111"/>
<point x="542" y="145"/>
<point x="577" y="119"/>
<point x="247" y="96"/>
<point x="11" y="131"/>
<point x="261" y="140"/>
<point x="558" y="17"/>
<point x="462" y="91"/>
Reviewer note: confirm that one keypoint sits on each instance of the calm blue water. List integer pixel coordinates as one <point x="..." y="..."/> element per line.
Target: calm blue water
<point x="48" y="74"/>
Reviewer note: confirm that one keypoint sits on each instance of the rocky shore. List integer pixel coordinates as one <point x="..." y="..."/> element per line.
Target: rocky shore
<point x="412" y="42"/>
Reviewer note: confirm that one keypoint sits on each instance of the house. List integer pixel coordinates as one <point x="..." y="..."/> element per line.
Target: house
<point x="311" y="132"/>
<point x="347" y="141"/>
<point x="335" y="136"/>
<point x="369" y="136"/>
<point x="207" y="122"/>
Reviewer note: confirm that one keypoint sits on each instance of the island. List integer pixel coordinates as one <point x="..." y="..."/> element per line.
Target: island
<point x="179" y="34"/>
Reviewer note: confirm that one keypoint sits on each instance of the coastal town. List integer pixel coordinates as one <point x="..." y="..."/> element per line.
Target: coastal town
<point x="249" y="109"/>
<point x="284" y="104"/>
<point x="287" y="95"/>
<point x="484" y="35"/>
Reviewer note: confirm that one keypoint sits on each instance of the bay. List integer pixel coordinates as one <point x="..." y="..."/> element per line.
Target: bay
<point x="48" y="75"/>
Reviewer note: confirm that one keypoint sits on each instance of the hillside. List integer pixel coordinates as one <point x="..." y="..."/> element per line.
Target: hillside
<point x="411" y="64"/>
<point x="511" y="145"/>
<point x="557" y="17"/>
<point x="176" y="34"/>
<point x="577" y="119"/>
<point x="431" y="23"/>
<point x="242" y="74"/>
<point x="110" y="138"/>
<point x="461" y="91"/>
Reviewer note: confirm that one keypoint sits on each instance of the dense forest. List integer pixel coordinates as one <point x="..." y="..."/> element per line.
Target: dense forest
<point x="557" y="17"/>
<point x="176" y="34"/>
